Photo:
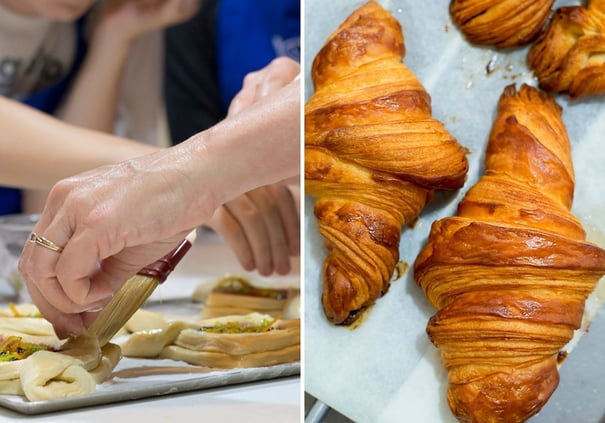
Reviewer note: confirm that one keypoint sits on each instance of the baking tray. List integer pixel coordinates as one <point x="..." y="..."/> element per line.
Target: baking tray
<point x="387" y="370"/>
<point x="136" y="378"/>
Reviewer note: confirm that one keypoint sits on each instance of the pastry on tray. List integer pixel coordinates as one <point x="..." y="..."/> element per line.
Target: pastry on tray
<point x="252" y="340"/>
<point x="232" y="295"/>
<point x="569" y="56"/>
<point x="501" y="23"/>
<point x="374" y="156"/>
<point x="510" y="273"/>
<point x="35" y="364"/>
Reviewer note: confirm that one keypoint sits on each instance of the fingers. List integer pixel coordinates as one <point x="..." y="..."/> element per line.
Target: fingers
<point x="75" y="280"/>
<point x="289" y="211"/>
<point x="175" y="11"/>
<point x="262" y="228"/>
<point x="232" y="232"/>
<point x="259" y="216"/>
<point x="59" y="296"/>
<point x="46" y="291"/>
<point x="115" y="270"/>
<point x="70" y="301"/>
<point x="135" y="18"/>
<point x="65" y="325"/>
<point x="63" y="277"/>
<point x="256" y="85"/>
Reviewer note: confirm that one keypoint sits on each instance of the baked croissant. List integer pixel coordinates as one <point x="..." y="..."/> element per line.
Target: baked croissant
<point x="570" y="54"/>
<point x="502" y="23"/>
<point x="373" y="157"/>
<point x="510" y="273"/>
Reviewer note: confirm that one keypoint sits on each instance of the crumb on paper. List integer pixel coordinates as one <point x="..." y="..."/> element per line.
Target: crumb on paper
<point x="400" y="268"/>
<point x="491" y="65"/>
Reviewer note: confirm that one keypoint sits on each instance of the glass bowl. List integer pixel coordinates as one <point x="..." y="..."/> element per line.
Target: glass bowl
<point x="14" y="232"/>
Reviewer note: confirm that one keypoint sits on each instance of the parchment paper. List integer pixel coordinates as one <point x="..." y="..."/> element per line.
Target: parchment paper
<point x="387" y="370"/>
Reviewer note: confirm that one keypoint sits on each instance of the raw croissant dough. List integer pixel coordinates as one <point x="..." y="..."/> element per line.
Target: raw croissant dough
<point x="236" y="295"/>
<point x="511" y="272"/>
<point x="48" y="374"/>
<point x="373" y="157"/>
<point x="75" y="371"/>
<point x="278" y="342"/>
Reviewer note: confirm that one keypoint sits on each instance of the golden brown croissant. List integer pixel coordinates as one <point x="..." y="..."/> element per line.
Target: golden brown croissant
<point x="570" y="54"/>
<point x="373" y="156"/>
<point x="511" y="272"/>
<point x="502" y="23"/>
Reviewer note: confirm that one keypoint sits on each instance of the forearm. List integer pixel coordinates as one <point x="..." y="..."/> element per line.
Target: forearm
<point x="37" y="150"/>
<point x="259" y="146"/>
<point x="93" y="98"/>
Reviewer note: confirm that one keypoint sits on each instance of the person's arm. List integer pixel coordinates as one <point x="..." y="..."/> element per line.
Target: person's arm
<point x="92" y="101"/>
<point x="262" y="227"/>
<point x="114" y="220"/>
<point x="37" y="150"/>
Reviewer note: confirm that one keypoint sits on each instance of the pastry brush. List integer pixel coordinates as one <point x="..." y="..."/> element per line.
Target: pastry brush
<point x="135" y="291"/>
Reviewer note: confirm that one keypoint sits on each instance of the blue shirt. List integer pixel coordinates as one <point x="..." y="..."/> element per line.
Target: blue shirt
<point x="249" y="35"/>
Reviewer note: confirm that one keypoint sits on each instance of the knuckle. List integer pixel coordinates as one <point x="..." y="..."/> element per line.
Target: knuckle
<point x="250" y="79"/>
<point x="280" y="63"/>
<point x="284" y="65"/>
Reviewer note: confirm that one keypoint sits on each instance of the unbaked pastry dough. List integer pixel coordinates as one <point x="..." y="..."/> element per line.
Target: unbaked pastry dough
<point x="64" y="369"/>
<point x="236" y="295"/>
<point x="48" y="375"/>
<point x="221" y="342"/>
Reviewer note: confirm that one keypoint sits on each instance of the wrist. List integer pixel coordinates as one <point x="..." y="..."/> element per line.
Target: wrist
<point x="257" y="147"/>
<point x="112" y="34"/>
<point x="202" y="184"/>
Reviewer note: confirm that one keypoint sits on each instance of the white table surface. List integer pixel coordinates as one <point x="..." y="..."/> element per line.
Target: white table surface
<point x="277" y="400"/>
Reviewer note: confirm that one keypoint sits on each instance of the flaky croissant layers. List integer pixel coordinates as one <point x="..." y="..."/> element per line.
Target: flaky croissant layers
<point x="509" y="275"/>
<point x="569" y="55"/>
<point x="502" y="23"/>
<point x="373" y="156"/>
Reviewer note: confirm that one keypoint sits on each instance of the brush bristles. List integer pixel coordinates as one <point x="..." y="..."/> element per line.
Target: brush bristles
<point x="135" y="292"/>
<point x="122" y="306"/>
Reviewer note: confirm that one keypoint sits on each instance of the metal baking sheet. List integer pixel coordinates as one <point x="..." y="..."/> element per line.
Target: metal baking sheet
<point x="156" y="378"/>
<point x="387" y="370"/>
<point x="135" y="378"/>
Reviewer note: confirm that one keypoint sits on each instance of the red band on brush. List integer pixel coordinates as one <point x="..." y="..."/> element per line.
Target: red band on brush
<point x="160" y="269"/>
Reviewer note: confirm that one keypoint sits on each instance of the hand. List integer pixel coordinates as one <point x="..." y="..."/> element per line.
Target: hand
<point x="256" y="85"/>
<point x="129" y="19"/>
<point x="262" y="227"/>
<point x="108" y="223"/>
<point x="116" y="219"/>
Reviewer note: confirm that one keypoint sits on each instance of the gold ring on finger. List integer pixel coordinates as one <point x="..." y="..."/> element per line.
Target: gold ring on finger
<point x="44" y="242"/>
